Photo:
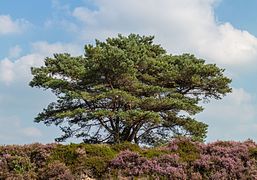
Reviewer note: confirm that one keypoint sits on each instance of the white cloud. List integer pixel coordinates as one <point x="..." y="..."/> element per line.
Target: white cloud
<point x="47" y="49"/>
<point x="9" y="26"/>
<point x="6" y="71"/>
<point x="238" y="105"/>
<point x="233" y="117"/>
<point x="14" y="52"/>
<point x="19" y="69"/>
<point x="179" y="25"/>
<point x="233" y="46"/>
<point x="86" y="15"/>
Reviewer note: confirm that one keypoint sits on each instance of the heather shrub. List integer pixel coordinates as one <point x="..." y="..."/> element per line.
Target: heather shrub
<point x="96" y="166"/>
<point x="92" y="158"/>
<point x="179" y="159"/>
<point x="97" y="158"/>
<point x="153" y="152"/>
<point x="22" y="162"/>
<point x="55" y="170"/>
<point x="39" y="154"/>
<point x="101" y="150"/>
<point x="187" y="150"/>
<point x="226" y="159"/>
<point x="126" y="146"/>
<point x="19" y="164"/>
<point x="16" y="167"/>
<point x="66" y="154"/>
<point x="253" y="152"/>
<point x="132" y="164"/>
<point x="185" y="159"/>
<point x="26" y="150"/>
<point x="14" y="150"/>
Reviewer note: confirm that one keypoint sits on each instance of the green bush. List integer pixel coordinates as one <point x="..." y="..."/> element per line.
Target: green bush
<point x="20" y="164"/>
<point x="55" y="170"/>
<point x="153" y="152"/>
<point x="92" y="158"/>
<point x="17" y="167"/>
<point x="126" y="146"/>
<point x="187" y="151"/>
<point x="97" y="158"/>
<point x="97" y="166"/>
<point x="101" y="150"/>
<point x="253" y="153"/>
<point x="66" y="154"/>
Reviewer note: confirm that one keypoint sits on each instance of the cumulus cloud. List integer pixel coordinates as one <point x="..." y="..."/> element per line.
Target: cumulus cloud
<point x="6" y="71"/>
<point x="15" y="51"/>
<point x="47" y="49"/>
<point x="19" y="69"/>
<point x="9" y="26"/>
<point x="179" y="25"/>
<point x="233" y="117"/>
<point x="85" y="15"/>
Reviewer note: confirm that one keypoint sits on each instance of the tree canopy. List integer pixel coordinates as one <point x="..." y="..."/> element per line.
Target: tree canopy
<point x="128" y="89"/>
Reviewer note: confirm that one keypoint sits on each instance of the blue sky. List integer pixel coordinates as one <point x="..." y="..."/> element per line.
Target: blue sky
<point x="221" y="31"/>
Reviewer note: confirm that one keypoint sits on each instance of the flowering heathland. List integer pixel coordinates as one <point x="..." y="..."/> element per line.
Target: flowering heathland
<point x="192" y="160"/>
<point x="179" y="159"/>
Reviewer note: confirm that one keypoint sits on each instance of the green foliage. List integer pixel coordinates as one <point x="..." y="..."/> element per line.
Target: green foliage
<point x="100" y="150"/>
<point x="126" y="146"/>
<point x="154" y="152"/>
<point x="97" y="166"/>
<point x="181" y="158"/>
<point x="20" y="164"/>
<point x="128" y="89"/>
<point x="188" y="152"/>
<point x="55" y="170"/>
<point x="66" y="154"/>
<point x="97" y="158"/>
<point x="253" y="152"/>
<point x="93" y="158"/>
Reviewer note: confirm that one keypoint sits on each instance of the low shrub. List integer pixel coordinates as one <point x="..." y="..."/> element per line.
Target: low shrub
<point x="153" y="152"/>
<point x="179" y="159"/>
<point x="92" y="158"/>
<point x="16" y="166"/>
<point x="66" y="154"/>
<point x="185" y="159"/>
<point x="55" y="170"/>
<point x="97" y="158"/>
<point x="126" y="146"/>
